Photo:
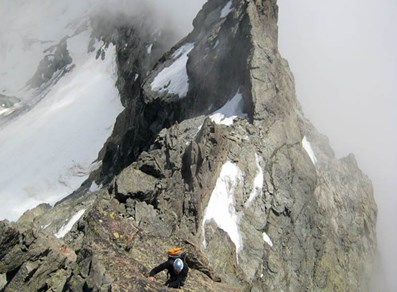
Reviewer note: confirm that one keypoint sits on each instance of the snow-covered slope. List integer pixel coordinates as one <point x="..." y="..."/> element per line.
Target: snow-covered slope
<point x="27" y="29"/>
<point x="48" y="150"/>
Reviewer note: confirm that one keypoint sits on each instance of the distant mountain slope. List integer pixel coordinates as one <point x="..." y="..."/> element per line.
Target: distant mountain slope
<point x="54" y="127"/>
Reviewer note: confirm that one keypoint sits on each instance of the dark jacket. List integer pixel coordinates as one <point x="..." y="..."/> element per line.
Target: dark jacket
<point x="175" y="280"/>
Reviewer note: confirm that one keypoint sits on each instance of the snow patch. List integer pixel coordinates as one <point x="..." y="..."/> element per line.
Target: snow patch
<point x="149" y="49"/>
<point x="94" y="187"/>
<point x="267" y="239"/>
<point x="69" y="225"/>
<point x="308" y="147"/>
<point x="258" y="183"/>
<point x="221" y="204"/>
<point x="4" y="110"/>
<point x="174" y="79"/>
<point x="231" y="110"/>
<point x="45" y="226"/>
<point x="227" y="9"/>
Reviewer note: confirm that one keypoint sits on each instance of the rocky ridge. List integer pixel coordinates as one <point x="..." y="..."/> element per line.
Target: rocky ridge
<point x="299" y="219"/>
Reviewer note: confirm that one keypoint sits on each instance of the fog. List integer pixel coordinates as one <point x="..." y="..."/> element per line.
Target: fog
<point x="343" y="57"/>
<point x="28" y="27"/>
<point x="176" y="15"/>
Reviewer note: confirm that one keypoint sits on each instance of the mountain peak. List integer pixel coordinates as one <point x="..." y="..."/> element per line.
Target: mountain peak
<point x="211" y="153"/>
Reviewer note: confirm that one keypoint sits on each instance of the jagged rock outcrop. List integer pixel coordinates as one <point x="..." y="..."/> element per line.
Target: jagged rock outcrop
<point x="138" y="47"/>
<point x="260" y="203"/>
<point x="52" y="66"/>
<point x="33" y="261"/>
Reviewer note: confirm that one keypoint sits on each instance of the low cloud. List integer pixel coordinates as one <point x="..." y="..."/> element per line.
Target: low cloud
<point x="27" y="27"/>
<point x="174" y="15"/>
<point x="343" y="57"/>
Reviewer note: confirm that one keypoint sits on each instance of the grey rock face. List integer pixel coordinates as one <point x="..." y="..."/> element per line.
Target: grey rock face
<point x="261" y="204"/>
<point x="132" y="40"/>
<point x="53" y="66"/>
<point x="33" y="261"/>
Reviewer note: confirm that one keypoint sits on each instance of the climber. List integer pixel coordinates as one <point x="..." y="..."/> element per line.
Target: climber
<point x="176" y="266"/>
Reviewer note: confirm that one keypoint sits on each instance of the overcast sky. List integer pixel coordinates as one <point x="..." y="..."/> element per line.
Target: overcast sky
<point x="343" y="57"/>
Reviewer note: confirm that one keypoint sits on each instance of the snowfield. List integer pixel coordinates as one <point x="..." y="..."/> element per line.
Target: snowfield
<point x="49" y="150"/>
